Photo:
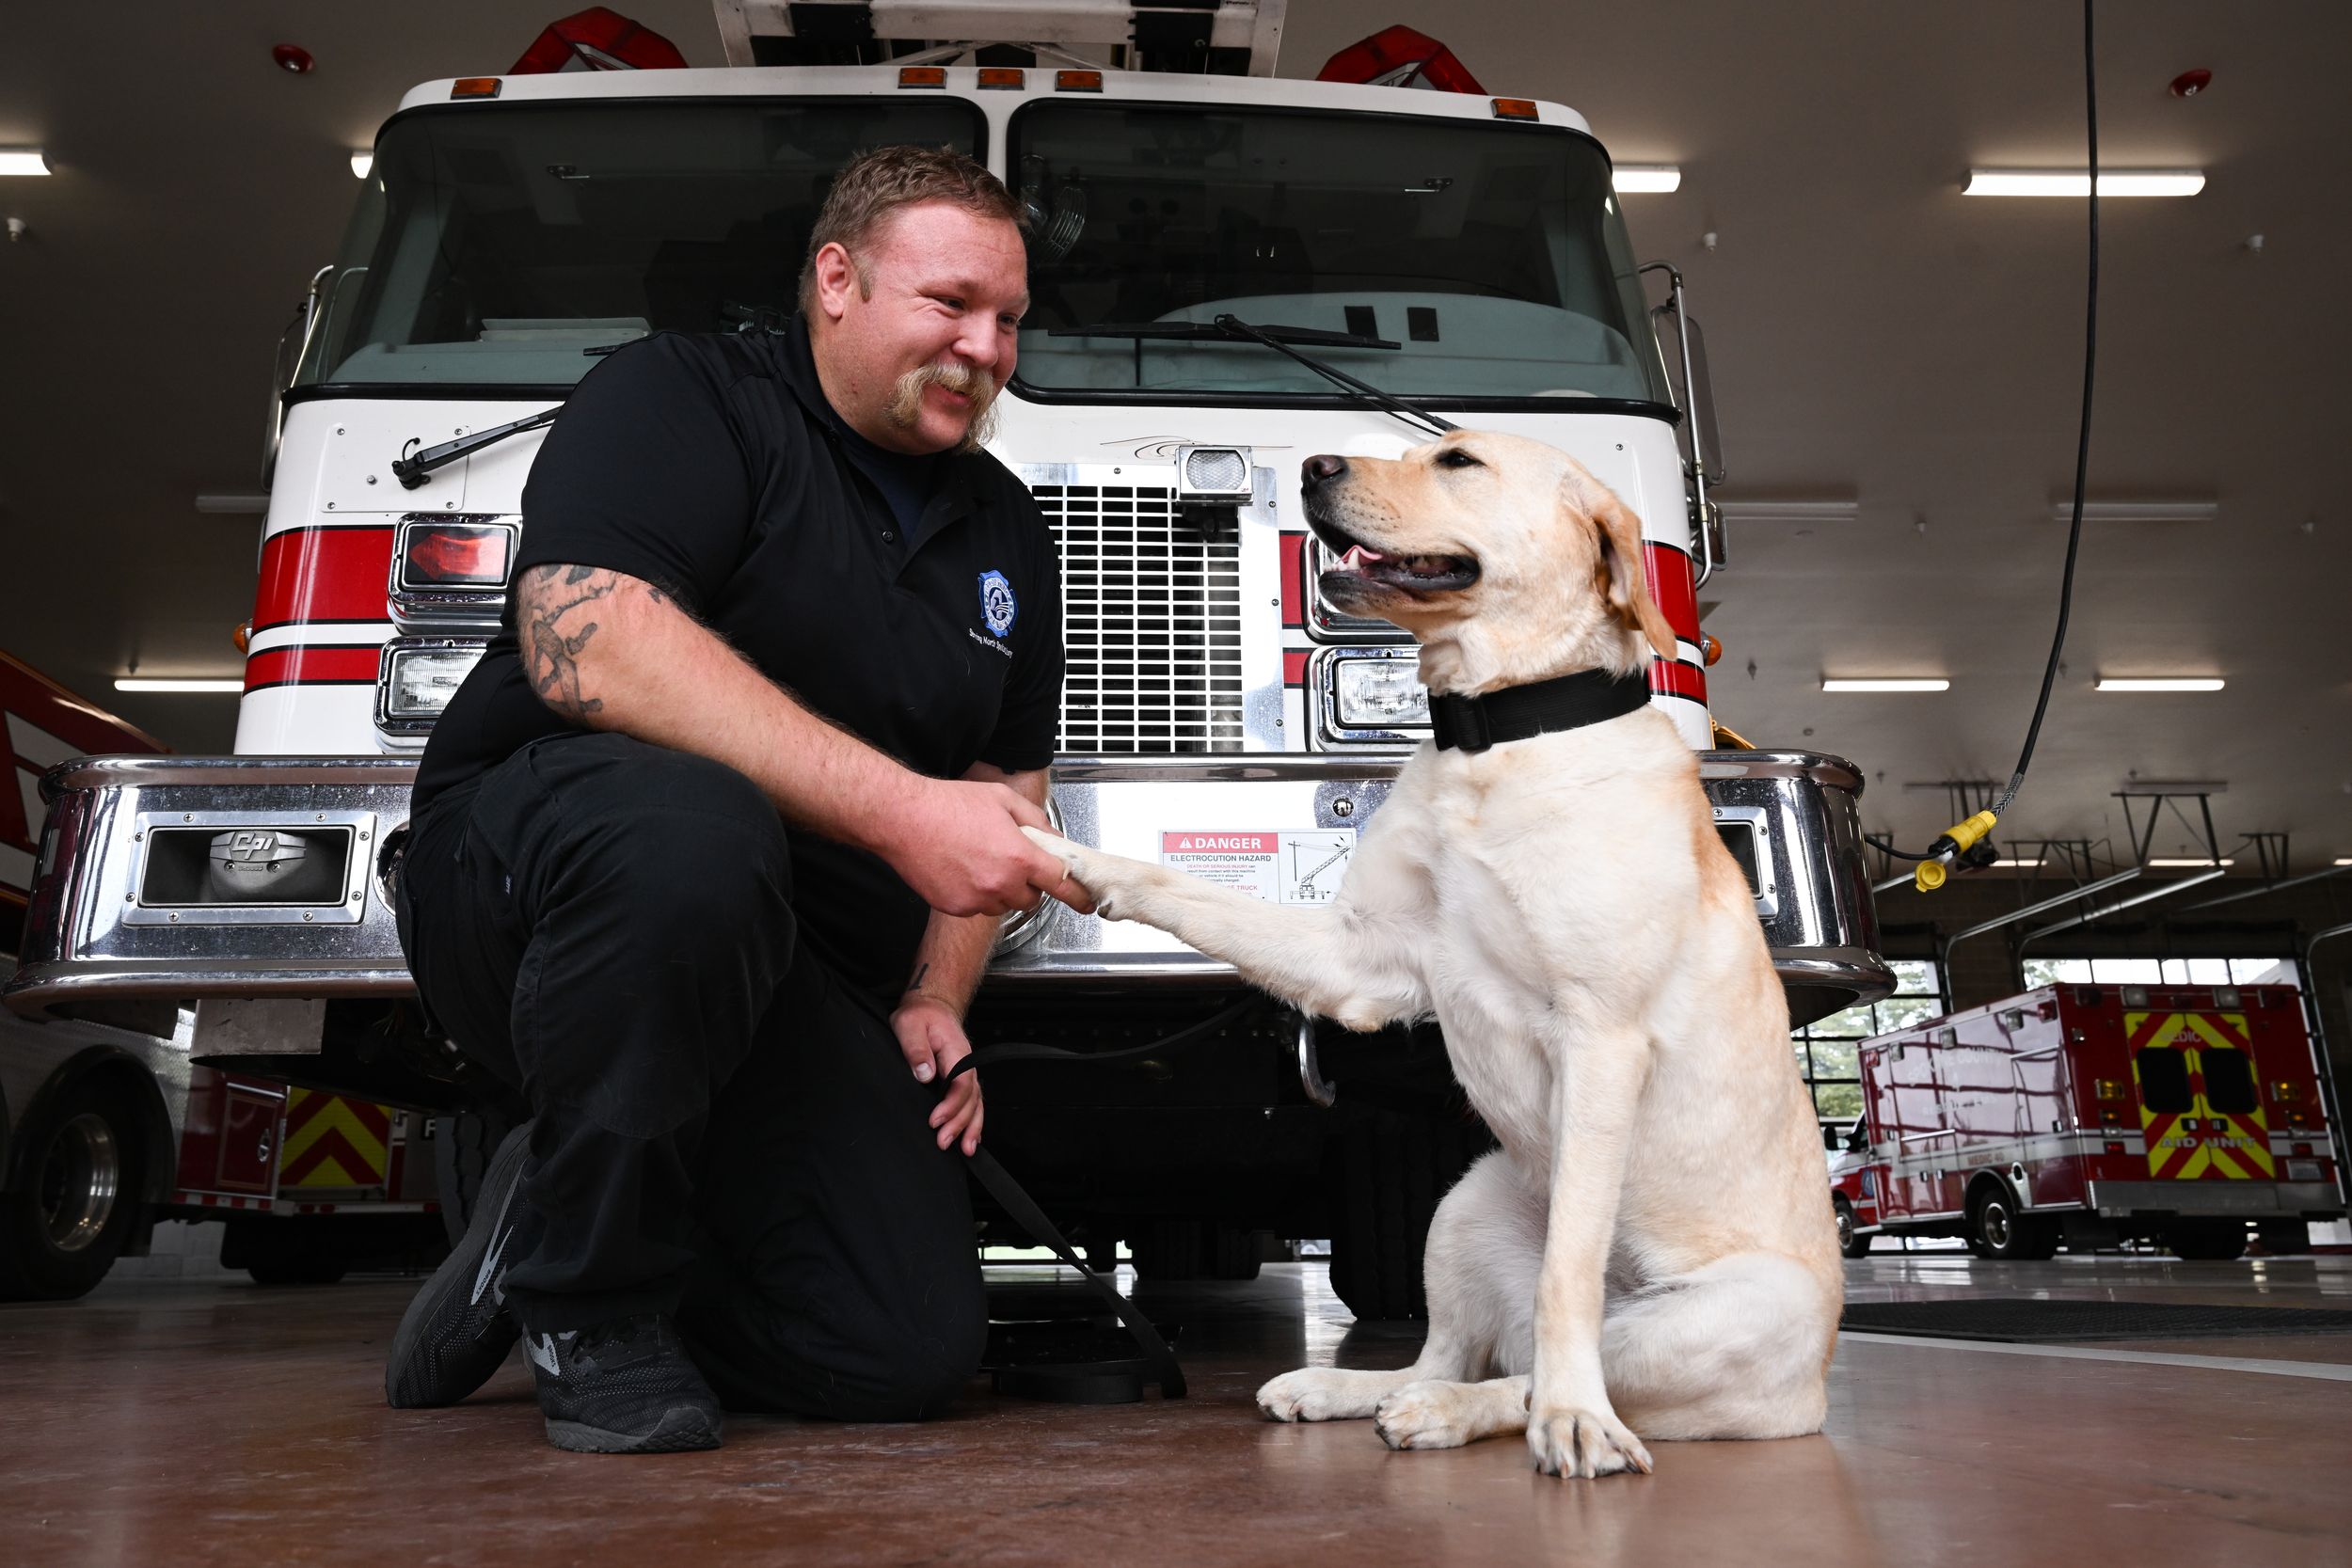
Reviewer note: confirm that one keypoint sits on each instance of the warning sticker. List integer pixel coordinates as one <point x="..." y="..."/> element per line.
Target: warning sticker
<point x="1303" y="867"/>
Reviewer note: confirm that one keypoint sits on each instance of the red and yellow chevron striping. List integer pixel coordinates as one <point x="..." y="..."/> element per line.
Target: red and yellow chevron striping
<point x="2200" y="1142"/>
<point x="334" y="1141"/>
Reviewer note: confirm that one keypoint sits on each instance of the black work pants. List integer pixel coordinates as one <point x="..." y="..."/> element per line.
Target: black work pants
<point x="725" y="1131"/>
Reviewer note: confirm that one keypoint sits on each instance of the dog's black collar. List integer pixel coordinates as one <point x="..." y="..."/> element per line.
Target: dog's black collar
<point x="1542" y="707"/>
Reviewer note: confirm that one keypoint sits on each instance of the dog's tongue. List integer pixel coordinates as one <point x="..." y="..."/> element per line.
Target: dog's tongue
<point x="1359" y="555"/>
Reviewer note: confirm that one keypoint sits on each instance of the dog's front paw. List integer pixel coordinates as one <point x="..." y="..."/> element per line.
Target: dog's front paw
<point x="1093" y="870"/>
<point x="1584" y="1443"/>
<point x="1428" y="1415"/>
<point x="1314" y="1394"/>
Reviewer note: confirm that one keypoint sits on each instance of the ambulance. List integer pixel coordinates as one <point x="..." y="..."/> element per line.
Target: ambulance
<point x="1231" y="271"/>
<point x="2092" y="1115"/>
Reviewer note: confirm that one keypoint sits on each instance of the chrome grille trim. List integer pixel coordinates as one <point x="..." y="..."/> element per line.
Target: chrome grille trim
<point x="1150" y="622"/>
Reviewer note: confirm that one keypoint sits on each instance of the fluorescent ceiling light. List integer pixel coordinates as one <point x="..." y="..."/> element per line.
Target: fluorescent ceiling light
<point x="2343" y="860"/>
<point x="2167" y="683"/>
<point x="2076" y="181"/>
<point x="2062" y="511"/>
<point x="2020" y="865"/>
<point x="2194" y="862"/>
<point x="361" y="163"/>
<point x="1645" y="179"/>
<point x="1883" y="684"/>
<point x="1790" y="511"/>
<point x="160" y="683"/>
<point x="227" y="504"/>
<point x="22" y="160"/>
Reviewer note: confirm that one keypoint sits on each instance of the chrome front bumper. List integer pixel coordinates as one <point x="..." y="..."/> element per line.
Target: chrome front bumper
<point x="99" y="930"/>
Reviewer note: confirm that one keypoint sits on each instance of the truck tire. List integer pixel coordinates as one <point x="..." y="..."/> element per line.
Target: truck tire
<point x="462" y="1146"/>
<point x="1383" y="1177"/>
<point x="1849" y="1244"/>
<point x="2283" y="1238"/>
<point x="78" y="1200"/>
<point x="1997" y="1229"/>
<point x="2206" y="1241"/>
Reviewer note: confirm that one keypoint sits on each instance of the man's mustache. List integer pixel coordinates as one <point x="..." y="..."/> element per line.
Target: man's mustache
<point x="906" y="400"/>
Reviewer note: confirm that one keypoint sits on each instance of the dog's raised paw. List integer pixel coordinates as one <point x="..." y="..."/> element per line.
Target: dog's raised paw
<point x="1428" y="1415"/>
<point x="1053" y="845"/>
<point x="1581" y="1443"/>
<point x="1313" y="1394"/>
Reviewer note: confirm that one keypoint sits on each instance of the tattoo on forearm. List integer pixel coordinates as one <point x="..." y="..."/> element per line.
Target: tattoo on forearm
<point x="550" y="650"/>
<point x="920" y="970"/>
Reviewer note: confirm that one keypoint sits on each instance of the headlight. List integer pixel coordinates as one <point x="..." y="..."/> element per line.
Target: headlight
<point x="419" y="677"/>
<point x="1379" y="693"/>
<point x="1213" y="474"/>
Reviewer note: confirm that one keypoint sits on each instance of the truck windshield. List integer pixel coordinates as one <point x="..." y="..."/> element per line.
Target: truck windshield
<point x="1491" y="254"/>
<point x="498" y="244"/>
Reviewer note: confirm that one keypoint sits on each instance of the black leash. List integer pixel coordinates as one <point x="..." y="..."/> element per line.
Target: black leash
<point x="1083" y="1382"/>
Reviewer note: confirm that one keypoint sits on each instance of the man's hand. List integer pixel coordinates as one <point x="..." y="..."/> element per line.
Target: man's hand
<point x="932" y="1039"/>
<point x="958" y="844"/>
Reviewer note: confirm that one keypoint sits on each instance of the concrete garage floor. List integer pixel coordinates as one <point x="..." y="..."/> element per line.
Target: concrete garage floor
<point x="204" y="1420"/>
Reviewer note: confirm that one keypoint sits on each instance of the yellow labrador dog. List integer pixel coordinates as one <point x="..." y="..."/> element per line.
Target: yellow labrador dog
<point x="1648" y="1253"/>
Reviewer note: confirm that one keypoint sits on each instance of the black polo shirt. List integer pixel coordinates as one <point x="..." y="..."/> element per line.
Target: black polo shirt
<point x="712" y="466"/>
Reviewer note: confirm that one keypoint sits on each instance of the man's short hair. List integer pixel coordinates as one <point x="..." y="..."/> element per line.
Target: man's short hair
<point x="883" y="180"/>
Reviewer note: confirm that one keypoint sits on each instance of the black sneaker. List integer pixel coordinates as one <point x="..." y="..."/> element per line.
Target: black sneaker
<point x="458" y="1329"/>
<point x="624" y="1387"/>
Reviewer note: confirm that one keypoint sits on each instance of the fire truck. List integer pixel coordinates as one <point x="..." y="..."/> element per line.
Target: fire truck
<point x="106" y="1126"/>
<point x="2094" y="1115"/>
<point x="1229" y="272"/>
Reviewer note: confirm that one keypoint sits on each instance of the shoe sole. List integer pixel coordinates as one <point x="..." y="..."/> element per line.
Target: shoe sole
<point x="402" y="1374"/>
<point x="679" y="1431"/>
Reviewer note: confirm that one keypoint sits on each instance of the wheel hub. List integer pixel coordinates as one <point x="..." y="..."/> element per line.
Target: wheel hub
<point x="81" y="1179"/>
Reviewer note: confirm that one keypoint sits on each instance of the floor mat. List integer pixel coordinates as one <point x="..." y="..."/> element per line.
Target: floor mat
<point x="2022" y="1320"/>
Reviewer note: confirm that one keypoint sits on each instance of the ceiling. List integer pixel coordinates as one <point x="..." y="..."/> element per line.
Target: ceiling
<point x="1874" y="336"/>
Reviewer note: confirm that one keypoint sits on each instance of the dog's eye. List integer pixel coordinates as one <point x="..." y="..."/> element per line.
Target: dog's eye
<point x="1455" y="457"/>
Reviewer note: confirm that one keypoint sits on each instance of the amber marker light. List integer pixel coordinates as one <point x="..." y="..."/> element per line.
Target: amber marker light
<point x="1077" y="81"/>
<point x="475" y="86"/>
<point x="922" y="75"/>
<point x="1514" y="108"/>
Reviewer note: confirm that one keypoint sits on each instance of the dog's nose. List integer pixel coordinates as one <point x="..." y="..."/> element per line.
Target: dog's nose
<point x="1320" y="468"/>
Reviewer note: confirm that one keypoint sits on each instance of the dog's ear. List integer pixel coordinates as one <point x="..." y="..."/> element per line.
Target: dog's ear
<point x="1620" y="533"/>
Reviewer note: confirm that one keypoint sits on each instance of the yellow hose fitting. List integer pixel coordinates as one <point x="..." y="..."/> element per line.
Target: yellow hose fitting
<point x="1967" y="832"/>
<point x="1928" y="875"/>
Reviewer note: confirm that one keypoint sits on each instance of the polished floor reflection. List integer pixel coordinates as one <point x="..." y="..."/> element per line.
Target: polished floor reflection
<point x="207" y="1420"/>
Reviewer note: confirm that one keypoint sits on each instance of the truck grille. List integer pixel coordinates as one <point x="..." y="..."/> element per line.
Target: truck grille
<point x="1151" y="621"/>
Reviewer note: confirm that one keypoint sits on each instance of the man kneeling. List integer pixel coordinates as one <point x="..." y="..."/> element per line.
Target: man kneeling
<point x="709" y="849"/>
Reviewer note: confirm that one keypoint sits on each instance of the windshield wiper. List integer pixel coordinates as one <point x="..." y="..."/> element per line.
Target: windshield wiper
<point x="1195" y="331"/>
<point x="413" y="471"/>
<point x="1279" y="338"/>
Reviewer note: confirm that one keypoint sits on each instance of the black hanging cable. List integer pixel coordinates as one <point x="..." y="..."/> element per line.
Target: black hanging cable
<point x="2082" y="440"/>
<point x="1963" y="836"/>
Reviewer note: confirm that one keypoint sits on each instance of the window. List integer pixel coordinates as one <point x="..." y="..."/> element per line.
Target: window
<point x="1488" y="258"/>
<point x="1825" y="1048"/>
<point x="2161" y="972"/>
<point x="2162" y="1080"/>
<point x="513" y="243"/>
<point x="2229" y="1083"/>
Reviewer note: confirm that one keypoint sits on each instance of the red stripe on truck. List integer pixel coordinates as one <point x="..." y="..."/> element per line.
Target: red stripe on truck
<point x="324" y="574"/>
<point x="1668" y="570"/>
<point x="1293" y="580"/>
<point x="327" y="665"/>
<point x="1678" y="679"/>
